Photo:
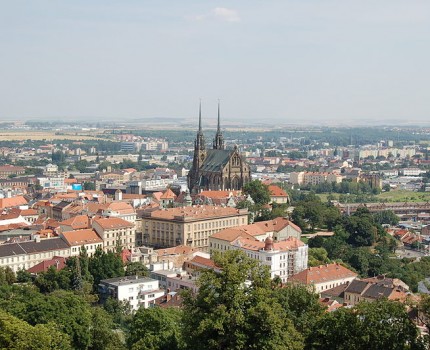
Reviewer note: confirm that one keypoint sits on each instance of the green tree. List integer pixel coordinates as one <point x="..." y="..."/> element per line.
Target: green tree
<point x="378" y="325"/>
<point x="89" y="186"/>
<point x="103" y="336"/>
<point x="155" y="329"/>
<point x="136" y="268"/>
<point x="7" y="276"/>
<point x="386" y="217"/>
<point x="258" y="191"/>
<point x="105" y="265"/>
<point x="16" y="334"/>
<point x="230" y="313"/>
<point x="301" y="305"/>
<point x="318" y="256"/>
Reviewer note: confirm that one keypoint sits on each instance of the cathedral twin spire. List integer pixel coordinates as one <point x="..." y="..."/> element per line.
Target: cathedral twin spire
<point x="218" y="142"/>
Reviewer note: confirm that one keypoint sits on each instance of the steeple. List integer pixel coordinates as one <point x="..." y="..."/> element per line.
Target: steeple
<point x="199" y="143"/>
<point x="219" y="139"/>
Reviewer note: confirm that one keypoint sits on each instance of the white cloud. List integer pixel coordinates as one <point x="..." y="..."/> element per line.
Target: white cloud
<point x="219" y="14"/>
<point x="225" y="14"/>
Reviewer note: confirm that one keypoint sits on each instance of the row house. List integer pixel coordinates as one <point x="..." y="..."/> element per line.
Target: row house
<point x="86" y="238"/>
<point x="25" y="255"/>
<point x="115" y="231"/>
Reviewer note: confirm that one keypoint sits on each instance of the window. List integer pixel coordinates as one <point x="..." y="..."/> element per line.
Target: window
<point x="268" y="258"/>
<point x="130" y="289"/>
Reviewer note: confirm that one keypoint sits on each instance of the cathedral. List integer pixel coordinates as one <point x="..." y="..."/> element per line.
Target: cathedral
<point x="216" y="168"/>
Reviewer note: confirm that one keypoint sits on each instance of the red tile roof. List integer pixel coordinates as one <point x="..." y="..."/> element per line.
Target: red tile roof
<point x="58" y="261"/>
<point x="112" y="223"/>
<point x="276" y="191"/>
<point x="77" y="222"/>
<point x="81" y="237"/>
<point x="322" y="273"/>
<point x="12" y="202"/>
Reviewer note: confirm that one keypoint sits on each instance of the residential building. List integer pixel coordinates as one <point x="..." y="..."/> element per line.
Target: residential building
<point x="278" y="195"/>
<point x="314" y="178"/>
<point x="280" y="229"/>
<point x="324" y="277"/>
<point x="12" y="202"/>
<point x="11" y="170"/>
<point x="284" y="258"/>
<point x="136" y="291"/>
<point x="86" y="238"/>
<point x="115" y="231"/>
<point x="25" y="255"/>
<point x="362" y="290"/>
<point x="191" y="226"/>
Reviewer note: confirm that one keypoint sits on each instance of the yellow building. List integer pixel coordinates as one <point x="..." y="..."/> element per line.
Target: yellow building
<point x="191" y="226"/>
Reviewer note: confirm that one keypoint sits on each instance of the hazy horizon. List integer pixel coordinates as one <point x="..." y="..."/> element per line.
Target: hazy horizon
<point x="333" y="62"/>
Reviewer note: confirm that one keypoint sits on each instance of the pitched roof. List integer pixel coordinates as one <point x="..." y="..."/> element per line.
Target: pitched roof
<point x="202" y="262"/>
<point x="216" y="159"/>
<point x="168" y="194"/>
<point x="120" y="207"/>
<point x="220" y="194"/>
<point x="32" y="247"/>
<point x="180" y="249"/>
<point x="77" y="222"/>
<point x="230" y="234"/>
<point x="276" y="191"/>
<point x="81" y="237"/>
<point x="323" y="273"/>
<point x="58" y="261"/>
<point x="112" y="223"/>
<point x="12" y="202"/>
<point x="256" y="229"/>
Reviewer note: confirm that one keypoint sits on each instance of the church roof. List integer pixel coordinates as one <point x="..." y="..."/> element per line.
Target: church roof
<point x="216" y="159"/>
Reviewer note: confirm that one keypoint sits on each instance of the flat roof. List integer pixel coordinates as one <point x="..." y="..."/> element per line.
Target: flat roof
<point x="120" y="281"/>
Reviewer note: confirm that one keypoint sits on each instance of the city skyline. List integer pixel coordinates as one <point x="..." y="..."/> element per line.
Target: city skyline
<point x="294" y="62"/>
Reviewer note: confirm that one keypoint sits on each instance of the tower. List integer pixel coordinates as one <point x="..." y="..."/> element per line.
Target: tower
<point x="218" y="142"/>
<point x="199" y="154"/>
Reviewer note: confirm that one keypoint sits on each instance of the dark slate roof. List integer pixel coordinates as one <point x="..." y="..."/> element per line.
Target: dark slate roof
<point x="337" y="291"/>
<point x="61" y="205"/>
<point x="216" y="159"/>
<point x="32" y="247"/>
<point x="377" y="291"/>
<point x="356" y="287"/>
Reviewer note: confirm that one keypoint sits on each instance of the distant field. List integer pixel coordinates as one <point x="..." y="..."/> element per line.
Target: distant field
<point x="7" y="135"/>
<point x="405" y="196"/>
<point x="392" y="196"/>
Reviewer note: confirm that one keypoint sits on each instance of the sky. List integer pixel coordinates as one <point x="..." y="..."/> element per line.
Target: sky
<point x="286" y="61"/>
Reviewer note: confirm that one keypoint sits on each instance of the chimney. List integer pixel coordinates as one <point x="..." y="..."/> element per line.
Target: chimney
<point x="118" y="195"/>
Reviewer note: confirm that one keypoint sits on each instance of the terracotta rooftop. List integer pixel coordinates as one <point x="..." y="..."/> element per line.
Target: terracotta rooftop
<point x="12" y="202"/>
<point x="121" y="207"/>
<point x="112" y="223"/>
<point x="220" y="194"/>
<point x="322" y="273"/>
<point x="256" y="245"/>
<point x="230" y="234"/>
<point x="168" y="194"/>
<point x="77" y="222"/>
<point x="256" y="229"/>
<point x="81" y="237"/>
<point x="276" y="191"/>
<point x="58" y="262"/>
<point x="200" y="261"/>
<point x="180" y="249"/>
